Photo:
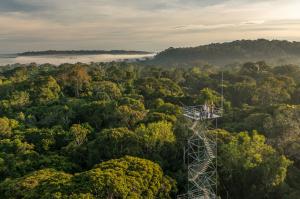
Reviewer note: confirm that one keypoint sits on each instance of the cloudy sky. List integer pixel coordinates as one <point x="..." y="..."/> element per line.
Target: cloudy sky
<point x="151" y="25"/>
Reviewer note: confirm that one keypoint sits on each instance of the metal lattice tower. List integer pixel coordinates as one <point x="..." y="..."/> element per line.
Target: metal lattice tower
<point x="201" y="153"/>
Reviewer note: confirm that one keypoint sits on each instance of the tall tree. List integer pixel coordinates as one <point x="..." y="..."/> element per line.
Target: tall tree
<point x="248" y="167"/>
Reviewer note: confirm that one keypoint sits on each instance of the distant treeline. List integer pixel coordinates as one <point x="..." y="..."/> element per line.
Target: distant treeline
<point x="80" y="52"/>
<point x="8" y="55"/>
<point x="275" y="52"/>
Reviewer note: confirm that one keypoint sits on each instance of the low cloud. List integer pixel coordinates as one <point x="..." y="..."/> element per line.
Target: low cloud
<point x="25" y="6"/>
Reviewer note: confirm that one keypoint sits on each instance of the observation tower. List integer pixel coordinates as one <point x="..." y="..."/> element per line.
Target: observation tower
<point x="201" y="151"/>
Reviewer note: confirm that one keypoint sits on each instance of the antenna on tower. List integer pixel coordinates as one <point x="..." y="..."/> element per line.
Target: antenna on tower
<point x="222" y="91"/>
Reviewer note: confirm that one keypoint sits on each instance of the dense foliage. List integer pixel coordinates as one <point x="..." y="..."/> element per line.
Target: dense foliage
<point x="116" y="130"/>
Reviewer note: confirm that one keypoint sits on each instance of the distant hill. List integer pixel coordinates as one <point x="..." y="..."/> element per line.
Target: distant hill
<point x="82" y="52"/>
<point x="273" y="52"/>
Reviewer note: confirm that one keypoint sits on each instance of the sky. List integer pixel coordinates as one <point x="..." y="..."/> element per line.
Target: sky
<point x="151" y="25"/>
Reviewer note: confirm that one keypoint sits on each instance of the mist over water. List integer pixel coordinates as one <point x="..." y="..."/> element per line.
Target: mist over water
<point x="60" y="59"/>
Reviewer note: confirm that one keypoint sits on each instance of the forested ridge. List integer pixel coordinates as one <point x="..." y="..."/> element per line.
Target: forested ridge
<point x="235" y="52"/>
<point x="116" y="130"/>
